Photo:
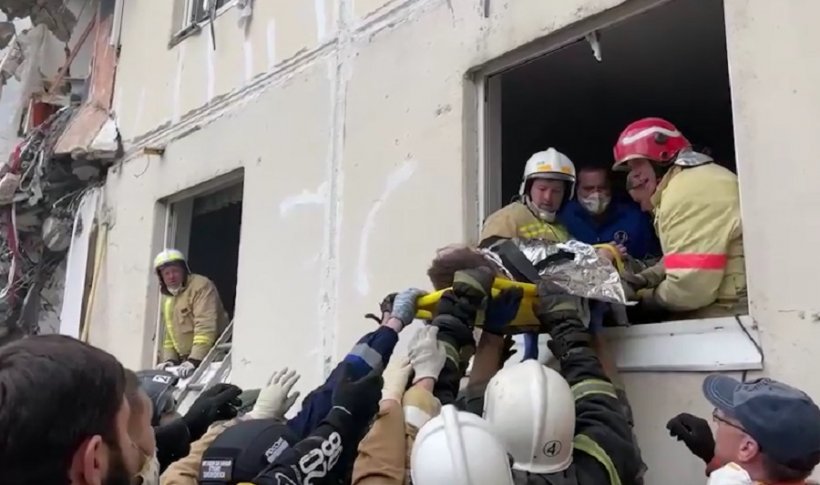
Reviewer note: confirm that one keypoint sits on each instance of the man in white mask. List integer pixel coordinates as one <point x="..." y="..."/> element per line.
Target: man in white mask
<point x="766" y="433"/>
<point x="595" y="217"/>
<point x="192" y="313"/>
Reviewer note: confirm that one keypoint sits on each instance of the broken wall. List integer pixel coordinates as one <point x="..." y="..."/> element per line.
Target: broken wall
<point x="355" y="125"/>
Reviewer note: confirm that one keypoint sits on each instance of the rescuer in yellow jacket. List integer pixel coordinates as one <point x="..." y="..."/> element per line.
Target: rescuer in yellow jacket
<point x="548" y="182"/>
<point x="191" y="311"/>
<point x="697" y="217"/>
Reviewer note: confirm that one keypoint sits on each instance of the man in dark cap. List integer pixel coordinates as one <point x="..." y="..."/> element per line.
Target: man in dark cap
<point x="765" y="431"/>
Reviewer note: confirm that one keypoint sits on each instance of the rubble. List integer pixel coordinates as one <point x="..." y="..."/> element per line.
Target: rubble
<point x="54" y="14"/>
<point x="39" y="196"/>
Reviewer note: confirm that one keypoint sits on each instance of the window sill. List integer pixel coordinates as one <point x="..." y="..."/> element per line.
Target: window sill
<point x="705" y="345"/>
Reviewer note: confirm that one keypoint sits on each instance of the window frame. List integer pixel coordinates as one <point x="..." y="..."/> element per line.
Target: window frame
<point x="185" y="26"/>
<point x="635" y="348"/>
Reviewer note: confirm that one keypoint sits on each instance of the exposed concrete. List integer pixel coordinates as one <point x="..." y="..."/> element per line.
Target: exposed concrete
<point x="54" y="14"/>
<point x="363" y="135"/>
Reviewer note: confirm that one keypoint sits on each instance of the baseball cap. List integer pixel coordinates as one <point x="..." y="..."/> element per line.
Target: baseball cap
<point x="783" y="420"/>
<point x="244" y="450"/>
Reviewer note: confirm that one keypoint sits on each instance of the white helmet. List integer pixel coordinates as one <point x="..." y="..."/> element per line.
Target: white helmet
<point x="531" y="409"/>
<point x="549" y="164"/>
<point x="458" y="448"/>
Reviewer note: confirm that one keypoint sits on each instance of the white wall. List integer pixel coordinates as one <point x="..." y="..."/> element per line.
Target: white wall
<point x="360" y="159"/>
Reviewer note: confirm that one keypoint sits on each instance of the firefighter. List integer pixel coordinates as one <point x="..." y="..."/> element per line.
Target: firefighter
<point x="697" y="217"/>
<point x="566" y="428"/>
<point x="548" y="182"/>
<point x="191" y="310"/>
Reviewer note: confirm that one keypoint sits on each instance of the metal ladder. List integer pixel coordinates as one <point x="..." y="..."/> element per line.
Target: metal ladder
<point x="214" y="369"/>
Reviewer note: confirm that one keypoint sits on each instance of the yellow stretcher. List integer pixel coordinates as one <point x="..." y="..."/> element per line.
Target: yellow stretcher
<point x="525" y="319"/>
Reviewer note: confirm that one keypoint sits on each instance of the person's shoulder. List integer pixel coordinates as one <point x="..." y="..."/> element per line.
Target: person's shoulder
<point x="200" y="281"/>
<point x="628" y="208"/>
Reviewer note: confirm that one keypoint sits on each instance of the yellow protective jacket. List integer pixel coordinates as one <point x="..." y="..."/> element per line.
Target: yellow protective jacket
<point x="697" y="218"/>
<point x="517" y="220"/>
<point x="193" y="320"/>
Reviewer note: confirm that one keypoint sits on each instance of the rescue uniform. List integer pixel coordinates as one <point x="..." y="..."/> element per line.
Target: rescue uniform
<point x="697" y="218"/>
<point x="516" y="220"/>
<point x="604" y="451"/>
<point x="384" y="454"/>
<point x="193" y="318"/>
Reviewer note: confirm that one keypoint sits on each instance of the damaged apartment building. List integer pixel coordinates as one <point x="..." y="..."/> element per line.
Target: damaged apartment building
<point x="310" y="156"/>
<point x="57" y="139"/>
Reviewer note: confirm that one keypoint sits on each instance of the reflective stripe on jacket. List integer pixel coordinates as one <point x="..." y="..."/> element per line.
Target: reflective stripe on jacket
<point x="193" y="320"/>
<point x="697" y="217"/>
<point x="517" y="220"/>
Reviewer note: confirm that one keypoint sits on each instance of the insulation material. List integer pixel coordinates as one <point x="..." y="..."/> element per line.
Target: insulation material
<point x="78" y="264"/>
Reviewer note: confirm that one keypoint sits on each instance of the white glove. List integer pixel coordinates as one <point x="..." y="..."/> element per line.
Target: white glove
<point x="186" y="370"/>
<point x="395" y="378"/>
<point x="164" y="365"/>
<point x="426" y="355"/>
<point x="274" y="400"/>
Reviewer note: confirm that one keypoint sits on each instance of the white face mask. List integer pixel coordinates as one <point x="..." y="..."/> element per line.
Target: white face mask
<point x="149" y="475"/>
<point x="730" y="474"/>
<point x="546" y="216"/>
<point x="595" y="203"/>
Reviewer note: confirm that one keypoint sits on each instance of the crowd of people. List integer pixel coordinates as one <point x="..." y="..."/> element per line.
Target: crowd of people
<point x="70" y="413"/>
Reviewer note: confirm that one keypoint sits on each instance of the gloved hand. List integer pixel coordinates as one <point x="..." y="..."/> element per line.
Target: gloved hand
<point x="473" y="285"/>
<point x="509" y="349"/>
<point x="695" y="434"/>
<point x="165" y="365"/>
<point x="502" y="309"/>
<point x="186" y="370"/>
<point x="275" y="400"/>
<point x="636" y="280"/>
<point x="553" y="308"/>
<point x="360" y="399"/>
<point x="426" y="355"/>
<point x="218" y="403"/>
<point x="395" y="378"/>
<point x="405" y="305"/>
<point x="386" y="306"/>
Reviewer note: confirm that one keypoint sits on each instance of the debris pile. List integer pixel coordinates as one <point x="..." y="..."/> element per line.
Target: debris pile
<point x="54" y="14"/>
<point x="39" y="196"/>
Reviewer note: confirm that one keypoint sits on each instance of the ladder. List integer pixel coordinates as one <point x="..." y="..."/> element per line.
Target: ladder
<point x="214" y="369"/>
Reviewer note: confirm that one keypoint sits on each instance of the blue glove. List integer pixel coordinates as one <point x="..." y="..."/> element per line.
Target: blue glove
<point x="530" y="346"/>
<point x="502" y="309"/>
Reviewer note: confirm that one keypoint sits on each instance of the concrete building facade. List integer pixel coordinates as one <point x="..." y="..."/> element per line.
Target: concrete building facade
<point x="359" y="131"/>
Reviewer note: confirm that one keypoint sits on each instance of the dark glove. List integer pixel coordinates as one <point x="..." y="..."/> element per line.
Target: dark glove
<point x="509" y="349"/>
<point x="636" y="280"/>
<point x="218" y="403"/>
<point x="695" y="434"/>
<point x="473" y="285"/>
<point x="359" y="398"/>
<point x="455" y="319"/>
<point x="386" y="306"/>
<point x="502" y="309"/>
<point x="553" y="308"/>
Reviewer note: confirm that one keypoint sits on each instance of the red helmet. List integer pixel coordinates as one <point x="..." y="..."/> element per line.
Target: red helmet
<point x="652" y="138"/>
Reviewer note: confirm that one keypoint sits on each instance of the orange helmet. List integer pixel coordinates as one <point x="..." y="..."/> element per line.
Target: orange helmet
<point x="653" y="138"/>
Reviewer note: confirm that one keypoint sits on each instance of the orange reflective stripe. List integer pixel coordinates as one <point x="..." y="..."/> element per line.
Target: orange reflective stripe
<point x="694" y="261"/>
